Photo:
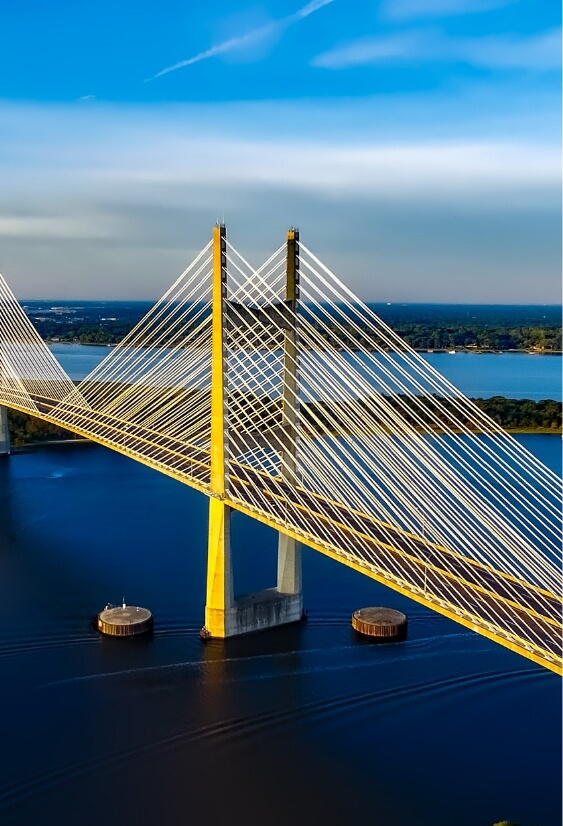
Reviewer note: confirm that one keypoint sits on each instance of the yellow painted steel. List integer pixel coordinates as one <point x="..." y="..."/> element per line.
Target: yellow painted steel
<point x="220" y="597"/>
<point x="423" y="540"/>
<point x="219" y="575"/>
<point x="92" y="435"/>
<point x="194" y="462"/>
<point x="125" y="451"/>
<point x="220" y="600"/>
<point x="422" y="563"/>
<point x="522" y="647"/>
<point x="181" y="476"/>
<point x="219" y="529"/>
<point x="218" y="365"/>
<point x="82" y="413"/>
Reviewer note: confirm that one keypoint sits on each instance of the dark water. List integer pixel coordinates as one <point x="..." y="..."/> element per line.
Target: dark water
<point x="303" y="725"/>
<point x="514" y="375"/>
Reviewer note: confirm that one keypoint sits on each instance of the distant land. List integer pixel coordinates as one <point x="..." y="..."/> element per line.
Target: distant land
<point x="514" y="415"/>
<point x="471" y="327"/>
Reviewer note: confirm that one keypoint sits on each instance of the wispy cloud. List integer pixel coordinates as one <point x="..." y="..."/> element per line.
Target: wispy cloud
<point x="137" y="152"/>
<point x="247" y="39"/>
<point x="66" y="227"/>
<point x="541" y="52"/>
<point x="131" y="193"/>
<point x="410" y="9"/>
<point x="87" y="97"/>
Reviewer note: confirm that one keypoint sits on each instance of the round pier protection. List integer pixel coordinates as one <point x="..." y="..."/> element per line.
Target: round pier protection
<point x="381" y="624"/>
<point x="124" y="621"/>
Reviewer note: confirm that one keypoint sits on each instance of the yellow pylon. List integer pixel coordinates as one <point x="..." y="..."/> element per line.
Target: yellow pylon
<point x="220" y="596"/>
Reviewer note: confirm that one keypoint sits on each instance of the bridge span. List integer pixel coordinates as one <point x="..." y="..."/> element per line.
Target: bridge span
<point x="276" y="392"/>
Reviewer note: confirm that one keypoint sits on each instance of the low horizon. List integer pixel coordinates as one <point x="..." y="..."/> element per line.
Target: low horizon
<point x="369" y="302"/>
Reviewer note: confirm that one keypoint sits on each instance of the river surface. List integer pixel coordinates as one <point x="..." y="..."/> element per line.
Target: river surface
<point x="302" y="725"/>
<point x="478" y="375"/>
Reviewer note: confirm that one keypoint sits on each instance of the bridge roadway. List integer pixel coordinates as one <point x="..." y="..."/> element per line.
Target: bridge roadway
<point x="513" y="607"/>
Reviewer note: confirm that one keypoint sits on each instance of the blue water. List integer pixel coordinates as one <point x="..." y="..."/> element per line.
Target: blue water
<point x="514" y="375"/>
<point x="303" y="725"/>
<point x="78" y="359"/>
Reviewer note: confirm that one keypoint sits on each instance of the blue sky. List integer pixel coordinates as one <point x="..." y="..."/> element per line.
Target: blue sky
<point x="416" y="143"/>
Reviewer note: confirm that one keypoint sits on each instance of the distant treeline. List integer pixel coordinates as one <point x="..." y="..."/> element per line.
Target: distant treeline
<point x="457" y="336"/>
<point x="424" y="327"/>
<point x="523" y="414"/>
<point x="419" y="336"/>
<point x="423" y="337"/>
<point x="512" y="414"/>
<point x="25" y="429"/>
<point x="108" y="332"/>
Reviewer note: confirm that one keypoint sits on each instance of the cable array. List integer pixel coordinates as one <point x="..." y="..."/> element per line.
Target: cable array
<point x="336" y="432"/>
<point x="29" y="373"/>
<point x="466" y="517"/>
<point x="151" y="394"/>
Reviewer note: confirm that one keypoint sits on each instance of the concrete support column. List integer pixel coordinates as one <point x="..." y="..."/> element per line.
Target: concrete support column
<point x="289" y="550"/>
<point x="4" y="432"/>
<point x="289" y="565"/>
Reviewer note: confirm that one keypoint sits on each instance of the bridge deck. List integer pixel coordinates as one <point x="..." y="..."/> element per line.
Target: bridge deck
<point x="492" y="602"/>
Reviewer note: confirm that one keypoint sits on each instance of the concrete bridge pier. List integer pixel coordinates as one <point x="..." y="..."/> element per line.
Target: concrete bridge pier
<point x="4" y="432"/>
<point x="227" y="616"/>
<point x="290" y="585"/>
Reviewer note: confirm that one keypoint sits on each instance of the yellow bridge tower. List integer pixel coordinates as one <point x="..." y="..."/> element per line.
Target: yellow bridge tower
<point x="225" y="615"/>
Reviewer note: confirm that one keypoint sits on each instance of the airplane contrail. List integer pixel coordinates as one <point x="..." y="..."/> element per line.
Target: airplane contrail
<point x="245" y="39"/>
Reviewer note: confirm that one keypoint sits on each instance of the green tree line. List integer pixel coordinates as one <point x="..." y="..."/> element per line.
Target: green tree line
<point x="512" y="414"/>
<point x="433" y="336"/>
<point x="420" y="334"/>
<point x="25" y="429"/>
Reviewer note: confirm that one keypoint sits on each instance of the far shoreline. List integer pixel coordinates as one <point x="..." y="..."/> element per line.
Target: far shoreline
<point x="421" y="350"/>
<point x="31" y="447"/>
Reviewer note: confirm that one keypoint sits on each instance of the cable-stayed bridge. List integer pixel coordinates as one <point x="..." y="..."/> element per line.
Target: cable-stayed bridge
<point x="278" y="393"/>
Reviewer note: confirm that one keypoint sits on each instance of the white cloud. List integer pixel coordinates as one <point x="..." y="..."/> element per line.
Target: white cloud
<point x="203" y="170"/>
<point x="247" y="39"/>
<point x="410" y="9"/>
<point x="541" y="52"/>
<point x="103" y="151"/>
<point x="111" y="201"/>
<point x="57" y="227"/>
<point x="434" y="171"/>
<point x="370" y="50"/>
